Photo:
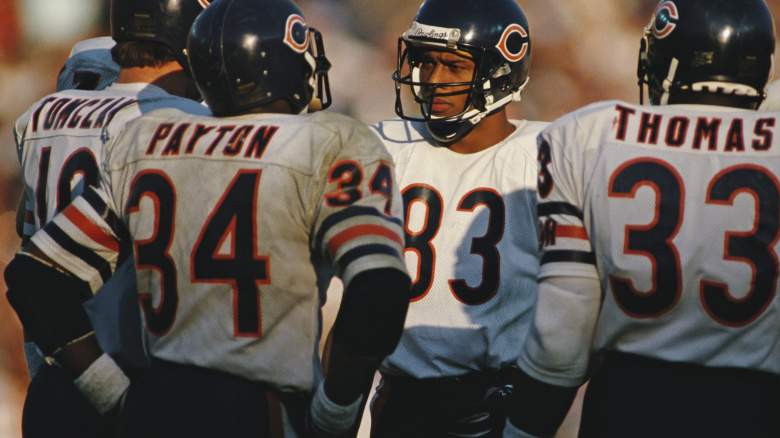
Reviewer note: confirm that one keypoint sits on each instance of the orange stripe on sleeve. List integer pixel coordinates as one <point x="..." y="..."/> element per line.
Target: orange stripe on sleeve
<point x="571" y="232"/>
<point x="358" y="231"/>
<point x="90" y="229"/>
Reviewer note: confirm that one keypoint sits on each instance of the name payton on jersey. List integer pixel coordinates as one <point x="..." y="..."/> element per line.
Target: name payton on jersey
<point x="728" y="134"/>
<point x="172" y="139"/>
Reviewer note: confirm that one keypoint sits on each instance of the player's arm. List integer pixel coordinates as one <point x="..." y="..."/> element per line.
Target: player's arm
<point x="48" y="281"/>
<point x="368" y="327"/>
<point x="359" y="231"/>
<point x="554" y="359"/>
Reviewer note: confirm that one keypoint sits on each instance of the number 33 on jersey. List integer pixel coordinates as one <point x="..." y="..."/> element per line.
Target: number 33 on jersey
<point x="685" y="246"/>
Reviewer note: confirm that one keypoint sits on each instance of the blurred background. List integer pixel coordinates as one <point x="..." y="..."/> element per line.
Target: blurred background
<point x="583" y="51"/>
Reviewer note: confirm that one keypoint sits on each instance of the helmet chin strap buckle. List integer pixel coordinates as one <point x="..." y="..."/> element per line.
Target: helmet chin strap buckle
<point x="669" y="81"/>
<point x="478" y="118"/>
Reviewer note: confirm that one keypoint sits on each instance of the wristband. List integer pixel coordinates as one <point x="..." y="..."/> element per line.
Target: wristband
<point x="103" y="383"/>
<point x="330" y="416"/>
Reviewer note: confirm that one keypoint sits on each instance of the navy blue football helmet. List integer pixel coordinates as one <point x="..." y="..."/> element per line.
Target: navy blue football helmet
<point x="493" y="33"/>
<point x="707" y="51"/>
<point x="248" y="53"/>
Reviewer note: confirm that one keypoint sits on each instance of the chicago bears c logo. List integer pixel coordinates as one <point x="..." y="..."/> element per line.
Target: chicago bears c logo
<point x="666" y="17"/>
<point x="296" y="34"/>
<point x="513" y="44"/>
<point x="204" y="3"/>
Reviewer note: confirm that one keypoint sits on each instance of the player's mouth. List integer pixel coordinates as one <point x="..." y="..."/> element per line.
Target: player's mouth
<point x="439" y="106"/>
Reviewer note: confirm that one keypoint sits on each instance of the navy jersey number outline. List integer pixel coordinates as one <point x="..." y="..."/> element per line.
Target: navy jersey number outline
<point x="753" y="247"/>
<point x="485" y="246"/>
<point x="80" y="162"/>
<point x="154" y="253"/>
<point x="234" y="215"/>
<point x="243" y="269"/>
<point x="655" y="241"/>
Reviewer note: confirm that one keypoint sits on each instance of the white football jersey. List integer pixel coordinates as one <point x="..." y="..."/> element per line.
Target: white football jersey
<point x="235" y="224"/>
<point x="675" y="209"/>
<point x="60" y="140"/>
<point x="772" y="101"/>
<point x="471" y="250"/>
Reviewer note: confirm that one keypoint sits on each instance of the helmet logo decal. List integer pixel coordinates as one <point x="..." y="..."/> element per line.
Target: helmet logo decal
<point x="296" y="34"/>
<point x="424" y="31"/>
<point x="204" y="3"/>
<point x="665" y="22"/>
<point x="513" y="44"/>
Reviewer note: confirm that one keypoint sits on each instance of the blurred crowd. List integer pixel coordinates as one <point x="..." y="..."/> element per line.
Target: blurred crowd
<point x="583" y="51"/>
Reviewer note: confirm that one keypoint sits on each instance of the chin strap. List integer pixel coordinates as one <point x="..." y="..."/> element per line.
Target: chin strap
<point x="475" y="116"/>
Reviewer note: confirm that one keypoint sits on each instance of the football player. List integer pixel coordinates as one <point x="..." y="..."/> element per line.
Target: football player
<point x="102" y="86"/>
<point x="660" y="236"/>
<point x="89" y="66"/>
<point x="233" y="222"/>
<point x="468" y="177"/>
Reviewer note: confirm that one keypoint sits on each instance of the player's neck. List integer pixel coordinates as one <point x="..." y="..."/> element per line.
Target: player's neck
<point x="491" y="131"/>
<point x="169" y="76"/>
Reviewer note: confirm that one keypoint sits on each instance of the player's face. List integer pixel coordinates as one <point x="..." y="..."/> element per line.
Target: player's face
<point x="440" y="67"/>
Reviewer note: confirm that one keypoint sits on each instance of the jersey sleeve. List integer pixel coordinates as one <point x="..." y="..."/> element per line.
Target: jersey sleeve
<point x="563" y="237"/>
<point x="25" y="219"/>
<point x="86" y="239"/>
<point x="20" y="126"/>
<point x="357" y="224"/>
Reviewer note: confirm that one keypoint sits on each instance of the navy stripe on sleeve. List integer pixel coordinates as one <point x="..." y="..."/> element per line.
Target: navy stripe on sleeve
<point x="365" y="250"/>
<point x="83" y="253"/>
<point x="117" y="227"/>
<point x="569" y="256"/>
<point x="348" y="213"/>
<point x="550" y="208"/>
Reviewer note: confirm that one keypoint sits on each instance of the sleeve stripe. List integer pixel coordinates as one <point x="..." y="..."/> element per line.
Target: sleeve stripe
<point x="90" y="229"/>
<point x="569" y="256"/>
<point x="117" y="227"/>
<point x="571" y="232"/>
<point x="365" y="250"/>
<point x="551" y="208"/>
<point x="361" y="230"/>
<point x="349" y="213"/>
<point x="85" y="254"/>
